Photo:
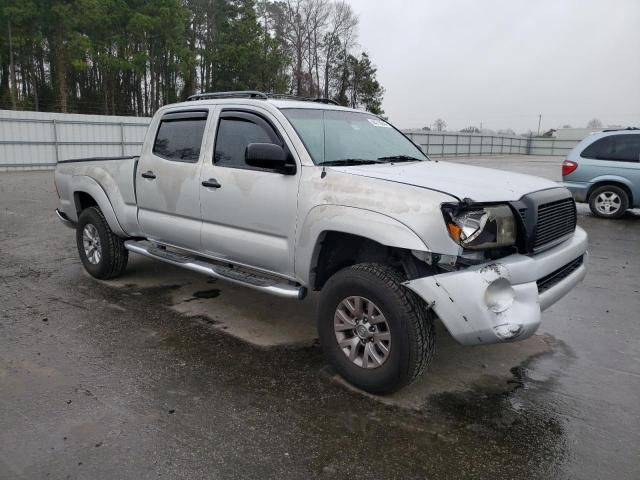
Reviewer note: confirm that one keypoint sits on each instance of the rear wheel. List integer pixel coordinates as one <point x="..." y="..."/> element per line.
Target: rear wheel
<point x="101" y="251"/>
<point x="608" y="201"/>
<point x="375" y="332"/>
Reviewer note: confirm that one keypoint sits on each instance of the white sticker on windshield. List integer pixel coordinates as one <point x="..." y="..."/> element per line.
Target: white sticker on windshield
<point x="378" y="123"/>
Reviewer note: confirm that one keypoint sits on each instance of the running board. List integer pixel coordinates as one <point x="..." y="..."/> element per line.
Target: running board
<point x="240" y="276"/>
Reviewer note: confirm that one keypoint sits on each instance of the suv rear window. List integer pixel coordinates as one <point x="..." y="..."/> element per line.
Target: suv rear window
<point x="179" y="136"/>
<point x="621" y="148"/>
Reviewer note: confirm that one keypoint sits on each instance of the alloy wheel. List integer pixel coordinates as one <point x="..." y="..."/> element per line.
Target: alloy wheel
<point x="91" y="244"/>
<point x="608" y="203"/>
<point x="362" y="332"/>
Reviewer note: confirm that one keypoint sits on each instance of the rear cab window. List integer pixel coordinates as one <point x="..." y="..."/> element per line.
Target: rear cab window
<point x="179" y="136"/>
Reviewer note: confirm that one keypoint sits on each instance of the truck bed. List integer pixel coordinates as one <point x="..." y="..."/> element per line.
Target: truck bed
<point x="113" y="177"/>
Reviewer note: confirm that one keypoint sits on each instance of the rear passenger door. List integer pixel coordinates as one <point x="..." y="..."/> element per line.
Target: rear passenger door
<point x="617" y="155"/>
<point x="249" y="214"/>
<point x="168" y="179"/>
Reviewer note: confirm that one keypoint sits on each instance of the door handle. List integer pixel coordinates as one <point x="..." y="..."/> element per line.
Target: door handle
<point x="149" y="174"/>
<point x="211" y="183"/>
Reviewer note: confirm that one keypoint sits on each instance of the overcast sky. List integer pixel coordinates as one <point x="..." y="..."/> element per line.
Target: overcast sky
<point x="503" y="62"/>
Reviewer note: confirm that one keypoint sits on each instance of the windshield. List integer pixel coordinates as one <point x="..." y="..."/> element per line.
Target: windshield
<point x="339" y="137"/>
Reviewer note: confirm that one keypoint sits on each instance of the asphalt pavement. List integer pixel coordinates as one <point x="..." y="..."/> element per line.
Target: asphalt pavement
<point x="165" y="374"/>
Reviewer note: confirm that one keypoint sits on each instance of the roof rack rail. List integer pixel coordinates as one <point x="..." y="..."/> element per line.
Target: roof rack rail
<point x="327" y="101"/>
<point x="258" y="95"/>
<point x="237" y="94"/>
<point x="287" y="96"/>
<point x="302" y="99"/>
<point x="620" y="129"/>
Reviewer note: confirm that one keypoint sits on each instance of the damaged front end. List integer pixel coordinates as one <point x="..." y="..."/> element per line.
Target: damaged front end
<point x="481" y="304"/>
<point x="493" y="291"/>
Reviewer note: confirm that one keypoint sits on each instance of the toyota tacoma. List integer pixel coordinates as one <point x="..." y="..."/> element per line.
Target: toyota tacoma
<point x="288" y="196"/>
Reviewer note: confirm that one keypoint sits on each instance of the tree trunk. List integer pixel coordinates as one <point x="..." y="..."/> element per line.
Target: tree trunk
<point x="61" y="74"/>
<point x="34" y="83"/>
<point x="298" y="72"/>
<point x="12" y="67"/>
<point x="326" y="78"/>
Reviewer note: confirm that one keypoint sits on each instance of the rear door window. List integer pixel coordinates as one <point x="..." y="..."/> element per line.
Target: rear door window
<point x="619" y="148"/>
<point x="626" y="148"/>
<point x="179" y="136"/>
<point x="600" y="149"/>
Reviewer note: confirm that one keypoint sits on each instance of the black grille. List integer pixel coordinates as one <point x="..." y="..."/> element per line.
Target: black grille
<point x="548" y="281"/>
<point x="556" y="219"/>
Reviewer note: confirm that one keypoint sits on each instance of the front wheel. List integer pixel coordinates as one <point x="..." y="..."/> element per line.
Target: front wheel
<point x="375" y="332"/>
<point x="101" y="251"/>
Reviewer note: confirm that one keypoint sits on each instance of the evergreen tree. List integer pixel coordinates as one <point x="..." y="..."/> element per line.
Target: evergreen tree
<point x="133" y="56"/>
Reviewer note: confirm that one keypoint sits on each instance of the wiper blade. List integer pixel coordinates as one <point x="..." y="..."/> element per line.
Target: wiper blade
<point x="350" y="161"/>
<point x="401" y="158"/>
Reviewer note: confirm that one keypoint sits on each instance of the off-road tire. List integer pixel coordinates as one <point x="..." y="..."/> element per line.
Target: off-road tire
<point x="114" y="256"/>
<point x="410" y="323"/>
<point x="620" y="192"/>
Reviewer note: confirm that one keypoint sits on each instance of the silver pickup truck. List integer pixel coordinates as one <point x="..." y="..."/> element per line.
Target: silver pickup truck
<point x="286" y="196"/>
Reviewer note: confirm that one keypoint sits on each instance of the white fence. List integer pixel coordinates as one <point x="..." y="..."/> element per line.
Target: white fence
<point x="33" y="140"/>
<point x="454" y="144"/>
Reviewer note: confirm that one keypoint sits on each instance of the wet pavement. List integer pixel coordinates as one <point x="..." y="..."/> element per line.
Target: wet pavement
<point x="162" y="374"/>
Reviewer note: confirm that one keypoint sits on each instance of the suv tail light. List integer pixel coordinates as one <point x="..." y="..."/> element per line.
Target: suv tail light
<point x="568" y="166"/>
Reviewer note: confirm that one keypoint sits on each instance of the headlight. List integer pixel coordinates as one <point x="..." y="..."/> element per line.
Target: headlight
<point x="480" y="228"/>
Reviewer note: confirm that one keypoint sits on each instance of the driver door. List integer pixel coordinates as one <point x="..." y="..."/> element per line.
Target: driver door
<point x="248" y="213"/>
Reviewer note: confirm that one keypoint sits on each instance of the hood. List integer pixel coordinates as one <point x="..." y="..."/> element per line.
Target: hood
<point x="462" y="181"/>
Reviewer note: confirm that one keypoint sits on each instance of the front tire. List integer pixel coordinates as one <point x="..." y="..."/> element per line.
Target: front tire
<point x="101" y="251"/>
<point x="375" y="332"/>
<point x="608" y="201"/>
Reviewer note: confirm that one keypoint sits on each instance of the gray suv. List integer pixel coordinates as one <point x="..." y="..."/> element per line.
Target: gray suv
<point x="604" y="170"/>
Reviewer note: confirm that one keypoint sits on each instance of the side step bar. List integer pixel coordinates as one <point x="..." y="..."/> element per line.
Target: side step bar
<point x="65" y="220"/>
<point x="240" y="276"/>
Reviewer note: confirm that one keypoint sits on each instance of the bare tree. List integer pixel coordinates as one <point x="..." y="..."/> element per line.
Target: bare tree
<point x="318" y="13"/>
<point x="440" y="124"/>
<point x="594" y="123"/>
<point x="295" y="32"/>
<point x="319" y="36"/>
<point x="339" y="38"/>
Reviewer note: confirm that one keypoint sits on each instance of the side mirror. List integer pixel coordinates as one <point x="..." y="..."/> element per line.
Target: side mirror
<point x="269" y="155"/>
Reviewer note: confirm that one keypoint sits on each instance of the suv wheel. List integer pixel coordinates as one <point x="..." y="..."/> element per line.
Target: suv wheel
<point x="608" y="201"/>
<point x="102" y="252"/>
<point x="375" y="332"/>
